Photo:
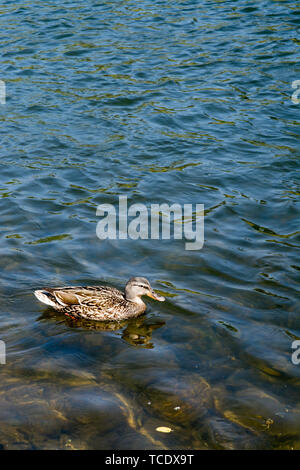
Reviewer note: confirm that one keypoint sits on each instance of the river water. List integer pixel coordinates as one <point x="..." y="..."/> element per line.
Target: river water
<point x="162" y="102"/>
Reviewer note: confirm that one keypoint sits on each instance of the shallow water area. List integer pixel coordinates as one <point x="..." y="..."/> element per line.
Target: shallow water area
<point x="163" y="102"/>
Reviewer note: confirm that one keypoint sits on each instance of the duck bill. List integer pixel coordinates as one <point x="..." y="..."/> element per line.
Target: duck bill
<point x="155" y="296"/>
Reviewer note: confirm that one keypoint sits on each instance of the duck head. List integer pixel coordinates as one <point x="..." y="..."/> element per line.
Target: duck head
<point x="138" y="286"/>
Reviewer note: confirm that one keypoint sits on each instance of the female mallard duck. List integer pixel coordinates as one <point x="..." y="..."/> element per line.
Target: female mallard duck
<point x="100" y="302"/>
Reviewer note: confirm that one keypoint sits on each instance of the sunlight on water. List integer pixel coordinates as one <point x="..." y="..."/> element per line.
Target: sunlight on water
<point x="163" y="102"/>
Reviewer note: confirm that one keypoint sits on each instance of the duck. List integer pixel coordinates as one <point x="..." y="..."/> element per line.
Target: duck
<point x="100" y="303"/>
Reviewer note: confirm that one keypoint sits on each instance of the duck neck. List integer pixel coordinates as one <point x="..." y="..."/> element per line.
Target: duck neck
<point x="134" y="299"/>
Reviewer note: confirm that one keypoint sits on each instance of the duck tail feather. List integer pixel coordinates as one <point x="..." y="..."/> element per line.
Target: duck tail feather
<point x="47" y="298"/>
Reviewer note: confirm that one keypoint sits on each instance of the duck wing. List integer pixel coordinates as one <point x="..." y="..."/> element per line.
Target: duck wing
<point x="93" y="296"/>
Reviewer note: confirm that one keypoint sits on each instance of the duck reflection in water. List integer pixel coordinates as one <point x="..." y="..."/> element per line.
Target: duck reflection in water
<point x="136" y="331"/>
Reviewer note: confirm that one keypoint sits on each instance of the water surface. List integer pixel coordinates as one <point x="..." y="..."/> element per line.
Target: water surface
<point x="160" y="101"/>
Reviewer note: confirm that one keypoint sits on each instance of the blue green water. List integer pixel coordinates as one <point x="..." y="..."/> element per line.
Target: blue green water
<point x="161" y="101"/>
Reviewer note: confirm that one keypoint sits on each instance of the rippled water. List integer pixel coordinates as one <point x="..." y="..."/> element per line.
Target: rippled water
<point x="161" y="101"/>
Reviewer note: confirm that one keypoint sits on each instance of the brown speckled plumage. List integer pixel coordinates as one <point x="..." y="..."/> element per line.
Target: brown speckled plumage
<point x="100" y="302"/>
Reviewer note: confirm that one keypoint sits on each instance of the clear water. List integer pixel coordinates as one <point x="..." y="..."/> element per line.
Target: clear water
<point x="161" y="101"/>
